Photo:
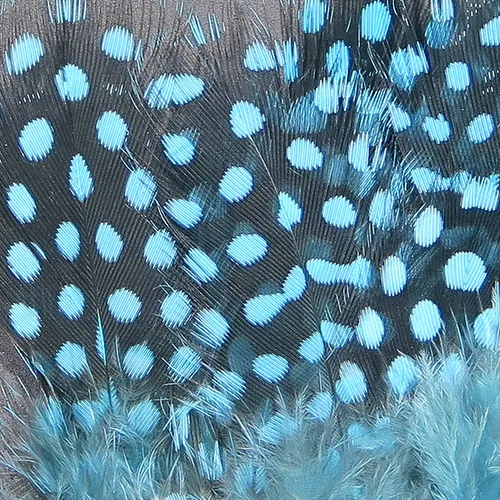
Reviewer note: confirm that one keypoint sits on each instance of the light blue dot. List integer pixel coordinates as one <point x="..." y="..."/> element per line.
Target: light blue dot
<point x="321" y="406"/>
<point x="186" y="213"/>
<point x="425" y="321"/>
<point x="86" y="414"/>
<point x="487" y="324"/>
<point x="382" y="213"/>
<point x="351" y="387"/>
<point x="81" y="183"/>
<point x="270" y="368"/>
<point x="200" y="267"/>
<point x="72" y="83"/>
<point x="338" y="60"/>
<point x="71" y="359"/>
<point x="402" y="375"/>
<point x="211" y="328"/>
<point x="339" y="212"/>
<point x="428" y="227"/>
<point x="439" y="34"/>
<point x="295" y="284"/>
<point x="438" y="129"/>
<point x="25" y="321"/>
<point x="68" y="241"/>
<point x="262" y="309"/>
<point x="175" y="309"/>
<point x="71" y="302"/>
<point x="358" y="153"/>
<point x="465" y="271"/>
<point x="358" y="273"/>
<point x="278" y="428"/>
<point x="314" y="15"/>
<point x="22" y="262"/>
<point x="160" y="250"/>
<point x="247" y="249"/>
<point x="69" y="11"/>
<point x="112" y="130"/>
<point x="406" y="65"/>
<point x="370" y="331"/>
<point x="482" y="193"/>
<point x="140" y="189"/>
<point x="108" y="242"/>
<point x="458" y="76"/>
<point x="375" y="21"/>
<point x="138" y="362"/>
<point x="246" y="119"/>
<point x="289" y="211"/>
<point x="400" y="118"/>
<point x="124" y="305"/>
<point x="481" y="128"/>
<point x="118" y="43"/>
<point x="173" y="89"/>
<point x="24" y="54"/>
<point x="288" y="57"/>
<point x="21" y="203"/>
<point x="303" y="154"/>
<point x="394" y="276"/>
<point x="144" y="417"/>
<point x="230" y="383"/>
<point x="180" y="149"/>
<point x="258" y="57"/>
<point x="236" y="184"/>
<point x="312" y="349"/>
<point x="184" y="364"/>
<point x="335" y="334"/>
<point x="36" y="139"/>
<point x="489" y="34"/>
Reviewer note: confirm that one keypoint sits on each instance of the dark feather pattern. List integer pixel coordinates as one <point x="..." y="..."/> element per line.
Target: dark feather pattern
<point x="209" y="235"/>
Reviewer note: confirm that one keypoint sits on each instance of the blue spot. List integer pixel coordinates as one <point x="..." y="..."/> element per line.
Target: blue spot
<point x="24" y="54"/>
<point x="230" y="383"/>
<point x="81" y="183"/>
<point x="295" y="284"/>
<point x="481" y="128"/>
<point x="481" y="193"/>
<point x="314" y="15"/>
<point x="425" y="321"/>
<point x="358" y="153"/>
<point x="312" y="349"/>
<point x="25" y="321"/>
<point x="138" y="362"/>
<point x="184" y="364"/>
<point x="262" y="309"/>
<point x="23" y="263"/>
<point x="381" y="213"/>
<point x="186" y="213"/>
<point x="247" y="249"/>
<point x="439" y="34"/>
<point x="406" y="65"/>
<point x="69" y="11"/>
<point x="200" y="267"/>
<point x="288" y="58"/>
<point x="36" y="139"/>
<point x="270" y="368"/>
<point x="400" y="119"/>
<point x="175" y="309"/>
<point x="487" y="324"/>
<point x="338" y="60"/>
<point x="458" y="76"/>
<point x="438" y="129"/>
<point x="375" y="21"/>
<point x="246" y="119"/>
<point x="21" y="203"/>
<point x="428" y="227"/>
<point x="68" y="241"/>
<point x="118" y="43"/>
<point x="465" y="271"/>
<point x="321" y="406"/>
<point x="352" y="387"/>
<point x="331" y="93"/>
<point x="358" y="273"/>
<point x="339" y="212"/>
<point x="211" y="328"/>
<point x="173" y="89"/>
<point x="124" y="305"/>
<point x="278" y="428"/>
<point x="180" y="149"/>
<point x="489" y="34"/>
<point x="371" y="329"/>
<point x="143" y="418"/>
<point x="236" y="184"/>
<point x="86" y="414"/>
<point x="71" y="302"/>
<point x="72" y="83"/>
<point x="112" y="130"/>
<point x="259" y="57"/>
<point x="108" y="242"/>
<point x="140" y="189"/>
<point x="429" y="181"/>
<point x="336" y="335"/>
<point x="442" y="10"/>
<point x="303" y="154"/>
<point x="402" y="375"/>
<point x="393" y="276"/>
<point x="160" y="250"/>
<point x="289" y="211"/>
<point x="71" y="359"/>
